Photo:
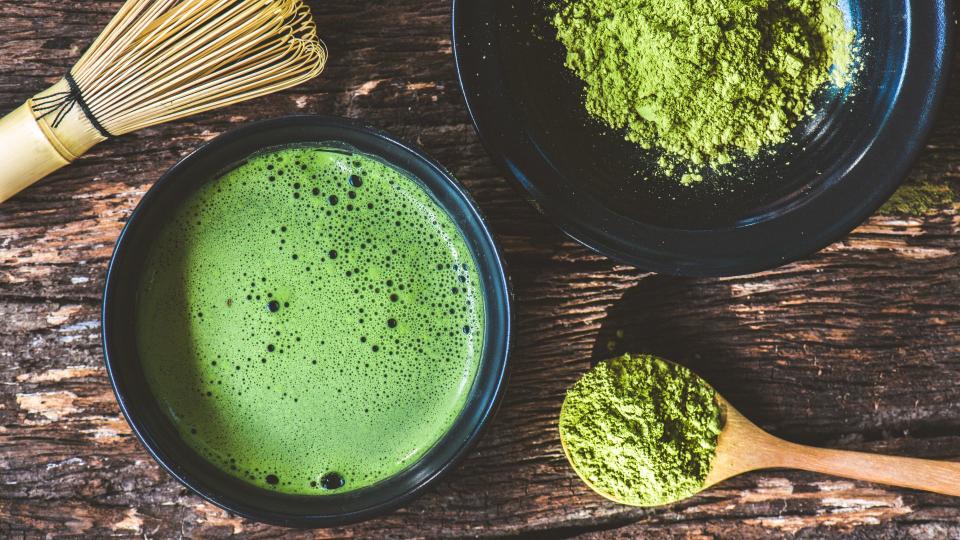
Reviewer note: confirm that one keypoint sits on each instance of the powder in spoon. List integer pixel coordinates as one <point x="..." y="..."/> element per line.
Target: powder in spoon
<point x="641" y="430"/>
<point x="704" y="80"/>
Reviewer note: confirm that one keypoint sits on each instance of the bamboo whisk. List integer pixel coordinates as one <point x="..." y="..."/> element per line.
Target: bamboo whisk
<point x="157" y="61"/>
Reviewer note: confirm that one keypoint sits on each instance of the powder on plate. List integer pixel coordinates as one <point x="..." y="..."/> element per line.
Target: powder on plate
<point x="704" y="80"/>
<point x="641" y="430"/>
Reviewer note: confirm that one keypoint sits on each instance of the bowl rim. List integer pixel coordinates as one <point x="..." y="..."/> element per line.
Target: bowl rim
<point x="928" y="63"/>
<point x="500" y="281"/>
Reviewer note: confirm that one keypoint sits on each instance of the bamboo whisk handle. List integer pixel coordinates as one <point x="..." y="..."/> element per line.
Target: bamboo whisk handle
<point x="25" y="152"/>
<point x="31" y="147"/>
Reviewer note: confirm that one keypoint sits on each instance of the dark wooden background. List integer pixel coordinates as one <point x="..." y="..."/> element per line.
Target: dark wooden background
<point x="856" y="347"/>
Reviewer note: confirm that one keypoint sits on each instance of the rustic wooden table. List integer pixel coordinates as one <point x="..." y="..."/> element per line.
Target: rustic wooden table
<point x="856" y="347"/>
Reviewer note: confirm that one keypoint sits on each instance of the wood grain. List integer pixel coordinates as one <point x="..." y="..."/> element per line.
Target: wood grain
<point x="857" y="347"/>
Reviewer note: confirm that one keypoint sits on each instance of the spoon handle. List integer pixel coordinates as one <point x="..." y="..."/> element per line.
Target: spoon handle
<point x="743" y="447"/>
<point x="924" y="474"/>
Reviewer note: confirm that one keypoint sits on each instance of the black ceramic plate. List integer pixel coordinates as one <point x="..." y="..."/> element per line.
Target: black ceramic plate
<point x="836" y="169"/>
<point x="160" y="437"/>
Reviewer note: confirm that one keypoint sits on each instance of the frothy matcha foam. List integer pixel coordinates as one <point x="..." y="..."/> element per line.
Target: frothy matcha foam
<point x="311" y="321"/>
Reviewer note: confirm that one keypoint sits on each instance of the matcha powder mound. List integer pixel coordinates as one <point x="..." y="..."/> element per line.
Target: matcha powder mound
<point x="641" y="430"/>
<point x="704" y="80"/>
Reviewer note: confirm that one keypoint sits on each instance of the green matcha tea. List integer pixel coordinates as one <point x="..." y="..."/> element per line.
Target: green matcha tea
<point x="311" y="321"/>
<point x="641" y="430"/>
<point x="706" y="82"/>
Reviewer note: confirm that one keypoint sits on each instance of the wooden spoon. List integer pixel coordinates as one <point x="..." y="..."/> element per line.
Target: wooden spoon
<point x="743" y="447"/>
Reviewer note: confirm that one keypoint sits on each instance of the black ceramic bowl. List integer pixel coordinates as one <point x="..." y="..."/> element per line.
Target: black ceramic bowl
<point x="160" y="436"/>
<point x="836" y="169"/>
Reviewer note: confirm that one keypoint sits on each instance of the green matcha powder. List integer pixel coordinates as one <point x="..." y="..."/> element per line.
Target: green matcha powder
<point x="706" y="81"/>
<point x="641" y="430"/>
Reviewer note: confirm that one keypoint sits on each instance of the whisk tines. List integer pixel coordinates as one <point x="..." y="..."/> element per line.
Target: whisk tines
<point x="159" y="60"/>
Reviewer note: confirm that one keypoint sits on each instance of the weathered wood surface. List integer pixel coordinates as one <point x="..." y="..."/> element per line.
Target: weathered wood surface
<point x="857" y="347"/>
